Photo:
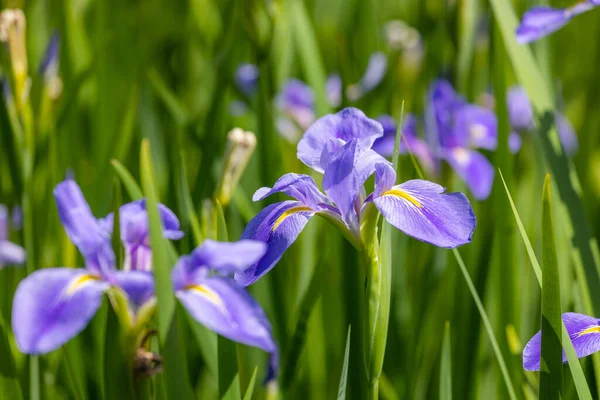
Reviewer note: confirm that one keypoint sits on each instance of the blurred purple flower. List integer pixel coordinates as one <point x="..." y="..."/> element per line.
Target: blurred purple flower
<point x="203" y="285"/>
<point x="17" y="217"/>
<point x="10" y="253"/>
<point x="49" y="66"/>
<point x="541" y="21"/>
<point x="296" y="105"/>
<point x="376" y="69"/>
<point x="339" y="146"/>
<point x="334" y="90"/>
<point x="520" y="111"/>
<point x="52" y="305"/>
<point x="584" y="332"/>
<point x="246" y="78"/>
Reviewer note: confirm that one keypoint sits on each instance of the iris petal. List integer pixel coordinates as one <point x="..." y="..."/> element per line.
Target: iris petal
<point x="472" y="166"/>
<point x="53" y="305"/>
<point x="584" y="332"/>
<point x="11" y="253"/>
<point x="138" y="285"/>
<point x="422" y="210"/>
<point x="477" y="127"/>
<point x="277" y="225"/>
<point x="301" y="187"/>
<point x="227" y="258"/>
<point x="541" y="21"/>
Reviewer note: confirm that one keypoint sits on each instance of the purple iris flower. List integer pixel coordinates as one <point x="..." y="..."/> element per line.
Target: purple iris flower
<point x="454" y="129"/>
<point x="410" y="140"/>
<point x="246" y="78"/>
<point x="339" y="146"/>
<point x="52" y="305"/>
<point x="374" y="74"/>
<point x="541" y="21"/>
<point x="296" y="105"/>
<point x="10" y="253"/>
<point x="584" y="332"/>
<point x="203" y="284"/>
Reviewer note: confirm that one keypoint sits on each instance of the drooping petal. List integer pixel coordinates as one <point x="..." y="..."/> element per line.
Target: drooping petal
<point x="584" y="332"/>
<point x="277" y="225"/>
<point x="520" y="112"/>
<point x="541" y="21"/>
<point x="51" y="306"/>
<point x="301" y="187"/>
<point x="138" y="285"/>
<point x="83" y="228"/>
<point x="227" y="309"/>
<point x="246" y="78"/>
<point x="348" y="124"/>
<point x="567" y="135"/>
<point x="11" y="253"/>
<point x="473" y="168"/>
<point x="422" y="210"/>
<point x="228" y="257"/>
<point x="476" y="126"/>
<point x="334" y="90"/>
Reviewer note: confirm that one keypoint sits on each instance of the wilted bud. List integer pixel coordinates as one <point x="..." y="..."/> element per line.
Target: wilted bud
<point x="240" y="146"/>
<point x="12" y="31"/>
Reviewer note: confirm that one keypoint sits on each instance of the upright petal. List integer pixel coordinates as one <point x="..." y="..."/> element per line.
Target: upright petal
<point x="277" y="225"/>
<point x="422" y="210"/>
<point x="541" y="21"/>
<point x="348" y="124"/>
<point x="11" y="253"/>
<point x="301" y="187"/>
<point x="473" y="168"/>
<point x="83" y="228"/>
<point x="476" y="126"/>
<point x="584" y="332"/>
<point x="227" y="309"/>
<point x="229" y="257"/>
<point x="520" y="111"/>
<point x="53" y="305"/>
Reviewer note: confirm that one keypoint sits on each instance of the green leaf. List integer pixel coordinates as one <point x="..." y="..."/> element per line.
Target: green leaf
<point x="10" y="388"/>
<point x="207" y="342"/>
<point x="133" y="189"/>
<point x="177" y="384"/>
<point x="488" y="326"/>
<point x="189" y="204"/>
<point x="551" y="362"/>
<point x="342" y="387"/>
<point x="250" y="388"/>
<point x="446" y="367"/>
<point x="229" y="382"/>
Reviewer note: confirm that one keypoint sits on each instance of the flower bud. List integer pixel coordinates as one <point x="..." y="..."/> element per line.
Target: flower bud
<point x="12" y="31"/>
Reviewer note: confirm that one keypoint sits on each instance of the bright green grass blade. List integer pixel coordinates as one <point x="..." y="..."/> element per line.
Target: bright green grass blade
<point x="342" y="387"/>
<point x="10" y="387"/>
<point x="250" y="388"/>
<point x="176" y="379"/>
<point x="487" y="325"/>
<point x="587" y="255"/>
<point x="207" y="342"/>
<point x="468" y="15"/>
<point x="132" y="187"/>
<point x="581" y="385"/>
<point x="551" y="362"/>
<point x="446" y="367"/>
<point x="309" y="53"/>
<point x="186" y="196"/>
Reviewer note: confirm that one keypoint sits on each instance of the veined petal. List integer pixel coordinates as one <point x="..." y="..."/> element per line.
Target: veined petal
<point x="584" y="332"/>
<point x="11" y="253"/>
<point x="301" y="187"/>
<point x="422" y="210"/>
<point x="473" y="168"/>
<point x="83" y="228"/>
<point x="277" y="225"/>
<point x="53" y="305"/>
<point x="541" y="21"/>
<point x="227" y="309"/>
<point x="138" y="285"/>
<point x="476" y="126"/>
<point x="348" y="124"/>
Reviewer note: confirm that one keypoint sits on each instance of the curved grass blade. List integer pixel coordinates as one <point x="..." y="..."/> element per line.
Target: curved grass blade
<point x="250" y="388"/>
<point x="132" y="187"/>
<point x="177" y="385"/>
<point x="342" y="387"/>
<point x="551" y="363"/>
<point x="583" y="390"/>
<point x="446" y="367"/>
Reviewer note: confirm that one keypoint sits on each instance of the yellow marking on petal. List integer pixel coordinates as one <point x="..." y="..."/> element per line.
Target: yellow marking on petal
<point x="404" y="195"/>
<point x="209" y="294"/>
<point x="79" y="282"/>
<point x="594" y="329"/>
<point x="287" y="213"/>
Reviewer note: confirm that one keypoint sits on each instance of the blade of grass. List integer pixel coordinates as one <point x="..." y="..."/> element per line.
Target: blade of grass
<point x="10" y="387"/>
<point x="132" y="187"/>
<point x="177" y="384"/>
<point x="250" y="388"/>
<point x="551" y="362"/>
<point x="583" y="390"/>
<point x="446" y="367"/>
<point x="342" y="386"/>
